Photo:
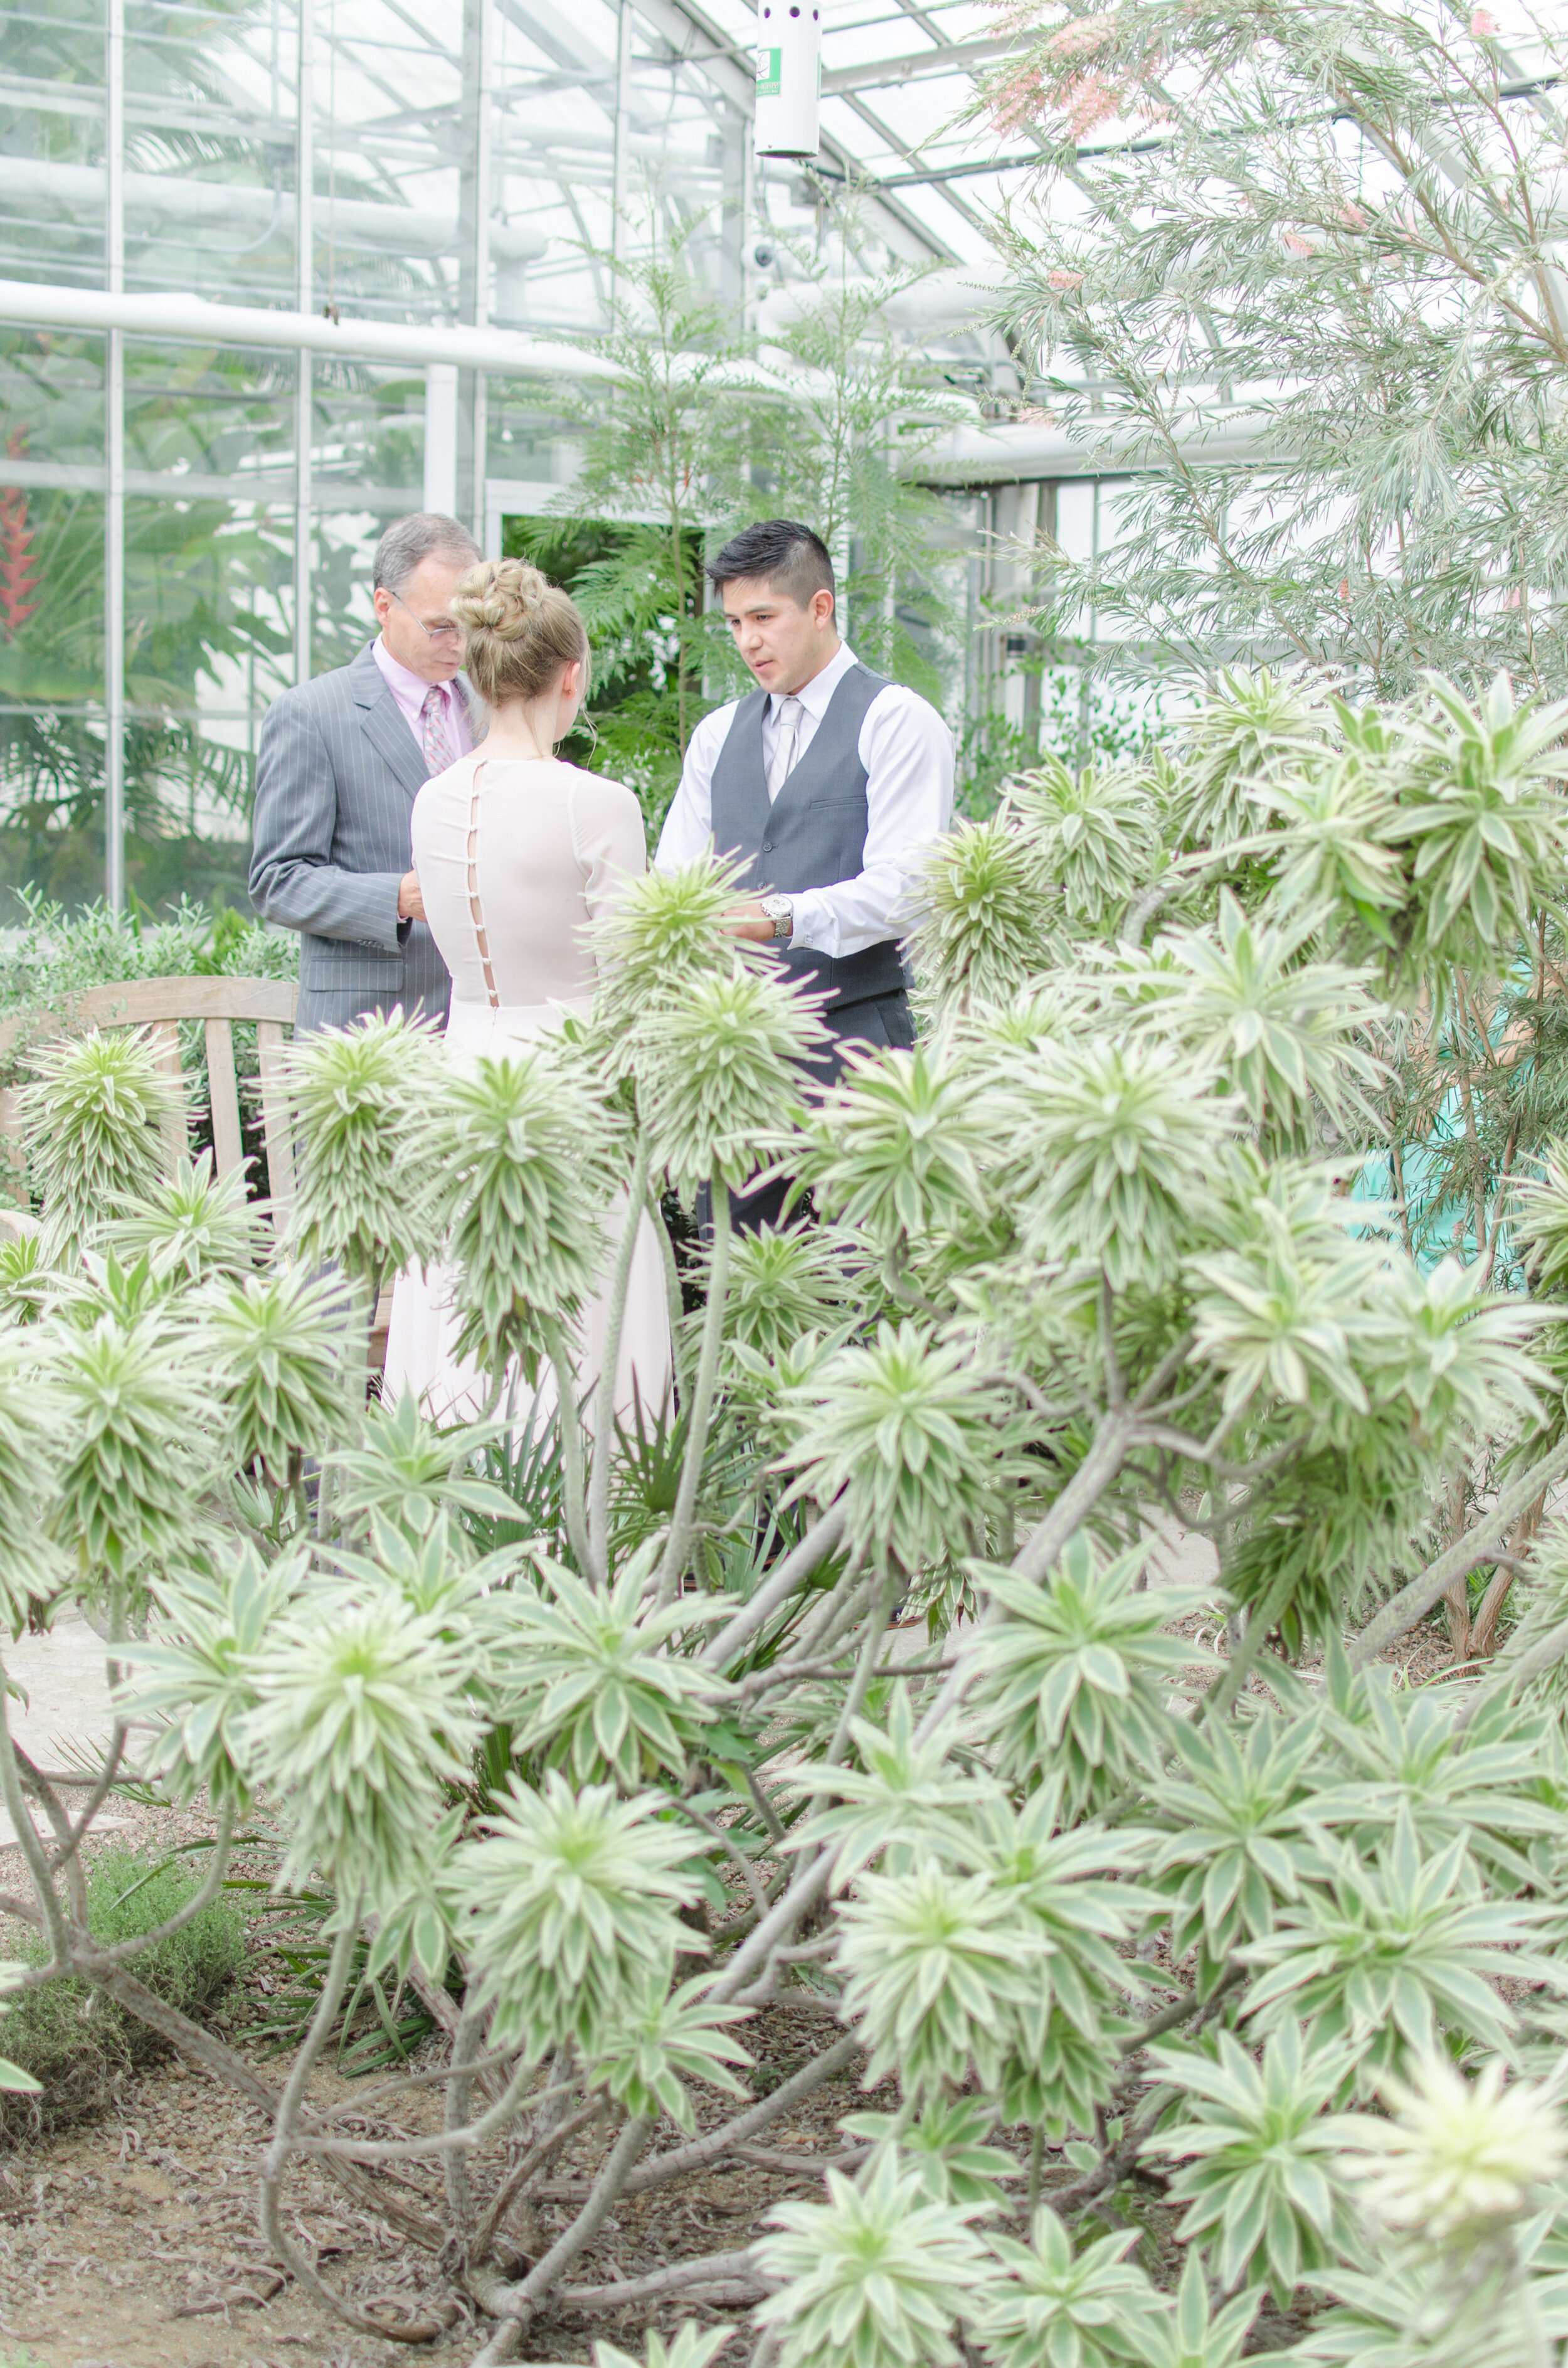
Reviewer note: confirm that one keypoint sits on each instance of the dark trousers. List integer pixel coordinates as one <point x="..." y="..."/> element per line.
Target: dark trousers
<point x="880" y="1020"/>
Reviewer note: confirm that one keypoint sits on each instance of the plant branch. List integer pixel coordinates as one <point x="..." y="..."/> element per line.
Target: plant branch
<point x="1413" y="1601"/>
<point x="1542" y="1656"/>
<point x="805" y="1556"/>
<point x="677" y="1544"/>
<point x="1169" y="2018"/>
<point x="519" y="2302"/>
<point x="604" y="1411"/>
<point x="284" y="2128"/>
<point x="466" y="2047"/>
<point x="731" y="2272"/>
<point x="542" y="2152"/>
<point x="31" y="1842"/>
<point x="572" y="1497"/>
<point x="672" y="1293"/>
<point x="697" y="2152"/>
<point x="472" y="2134"/>
<point x="1108" y="1451"/>
<point x="93" y="1962"/>
<point x="731" y="1851"/>
<point x="103" y="1785"/>
<point x="1238" y="1668"/>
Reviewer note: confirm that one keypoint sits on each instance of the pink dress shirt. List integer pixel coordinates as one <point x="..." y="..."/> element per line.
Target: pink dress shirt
<point x="409" y="689"/>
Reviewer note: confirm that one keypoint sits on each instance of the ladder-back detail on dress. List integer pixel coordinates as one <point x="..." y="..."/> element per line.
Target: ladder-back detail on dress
<point x="475" y="909"/>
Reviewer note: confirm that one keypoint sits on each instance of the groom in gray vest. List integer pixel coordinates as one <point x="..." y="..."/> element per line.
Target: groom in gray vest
<point x="828" y="783"/>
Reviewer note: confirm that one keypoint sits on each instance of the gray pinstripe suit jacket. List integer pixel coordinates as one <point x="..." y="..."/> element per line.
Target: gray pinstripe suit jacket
<point x="337" y="771"/>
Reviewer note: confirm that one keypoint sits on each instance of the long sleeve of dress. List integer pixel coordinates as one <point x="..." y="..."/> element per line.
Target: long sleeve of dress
<point x="608" y="839"/>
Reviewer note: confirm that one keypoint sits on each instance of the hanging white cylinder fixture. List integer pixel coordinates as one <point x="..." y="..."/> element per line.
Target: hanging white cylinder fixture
<point x="789" y="79"/>
<point x="441" y="437"/>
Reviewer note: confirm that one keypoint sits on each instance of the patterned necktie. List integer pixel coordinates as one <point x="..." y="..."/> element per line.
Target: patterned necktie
<point x="439" y="750"/>
<point x="785" y="739"/>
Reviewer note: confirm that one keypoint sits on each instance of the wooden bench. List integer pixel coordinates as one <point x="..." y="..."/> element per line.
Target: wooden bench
<point x="159" y="1004"/>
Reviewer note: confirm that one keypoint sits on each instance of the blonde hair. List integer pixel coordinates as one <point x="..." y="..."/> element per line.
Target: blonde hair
<point x="521" y="630"/>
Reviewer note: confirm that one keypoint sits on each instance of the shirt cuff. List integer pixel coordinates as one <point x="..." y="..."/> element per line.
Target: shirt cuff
<point x="386" y="931"/>
<point x="811" y="920"/>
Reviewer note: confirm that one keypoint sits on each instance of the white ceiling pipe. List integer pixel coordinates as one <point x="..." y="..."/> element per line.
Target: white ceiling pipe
<point x="943" y="300"/>
<point x="509" y="353"/>
<point x="1009" y="454"/>
<point x="350" y="221"/>
<point x="522" y="142"/>
<point x="506" y="353"/>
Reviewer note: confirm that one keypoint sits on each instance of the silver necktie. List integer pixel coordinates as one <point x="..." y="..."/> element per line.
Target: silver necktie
<point x="786" y="736"/>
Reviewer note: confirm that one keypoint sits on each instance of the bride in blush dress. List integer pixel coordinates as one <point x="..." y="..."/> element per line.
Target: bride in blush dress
<point x="517" y="854"/>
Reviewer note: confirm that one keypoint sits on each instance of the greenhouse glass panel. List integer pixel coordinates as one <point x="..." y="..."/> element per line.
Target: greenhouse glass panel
<point x="52" y="567"/>
<point x="51" y="143"/>
<point x="267" y="179"/>
<point x="211" y="103"/>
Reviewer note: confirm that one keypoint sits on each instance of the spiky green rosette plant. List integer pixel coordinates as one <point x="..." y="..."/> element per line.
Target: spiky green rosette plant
<point x="1314" y="362"/>
<point x="360" y="1092"/>
<point x="595" y="1731"/>
<point x="93" y="1117"/>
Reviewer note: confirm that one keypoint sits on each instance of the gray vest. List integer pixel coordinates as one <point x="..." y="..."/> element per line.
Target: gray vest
<point x="812" y="833"/>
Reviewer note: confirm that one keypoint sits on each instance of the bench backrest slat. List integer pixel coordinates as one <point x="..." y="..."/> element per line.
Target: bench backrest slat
<point x="160" y="1004"/>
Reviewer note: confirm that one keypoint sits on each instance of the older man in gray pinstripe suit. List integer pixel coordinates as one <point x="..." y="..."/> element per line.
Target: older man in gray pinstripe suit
<point x="340" y="762"/>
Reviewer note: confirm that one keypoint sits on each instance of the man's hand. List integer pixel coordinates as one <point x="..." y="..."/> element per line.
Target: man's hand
<point x="410" y="903"/>
<point x="747" y="919"/>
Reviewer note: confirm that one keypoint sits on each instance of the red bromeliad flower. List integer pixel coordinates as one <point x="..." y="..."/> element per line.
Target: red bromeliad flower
<point x="18" y="577"/>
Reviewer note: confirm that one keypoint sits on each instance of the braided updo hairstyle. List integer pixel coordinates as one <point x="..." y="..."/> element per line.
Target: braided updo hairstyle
<point x="520" y="630"/>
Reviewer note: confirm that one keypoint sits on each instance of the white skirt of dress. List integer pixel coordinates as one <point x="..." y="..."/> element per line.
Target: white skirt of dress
<point x="421" y="1361"/>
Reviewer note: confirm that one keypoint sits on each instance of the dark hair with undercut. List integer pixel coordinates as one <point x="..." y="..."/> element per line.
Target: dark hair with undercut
<point x="781" y="551"/>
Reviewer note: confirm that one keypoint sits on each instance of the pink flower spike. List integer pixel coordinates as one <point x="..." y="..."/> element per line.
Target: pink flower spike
<point x="1297" y="244"/>
<point x="1483" y="25"/>
<point x="1088" y="101"/>
<point x="1082" y="38"/>
<point x="1064" y="280"/>
<point x="1352" y="217"/>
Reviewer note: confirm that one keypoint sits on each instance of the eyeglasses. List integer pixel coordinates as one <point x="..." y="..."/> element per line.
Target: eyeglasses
<point x="435" y="632"/>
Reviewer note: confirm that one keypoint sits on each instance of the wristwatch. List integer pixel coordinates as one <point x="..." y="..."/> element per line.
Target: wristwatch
<point x="780" y="911"/>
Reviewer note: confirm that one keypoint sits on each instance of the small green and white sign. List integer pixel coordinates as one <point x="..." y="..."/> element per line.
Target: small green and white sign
<point x="770" y="73"/>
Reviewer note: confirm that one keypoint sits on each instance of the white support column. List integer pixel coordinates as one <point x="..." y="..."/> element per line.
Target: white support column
<point x="619" y="177"/>
<point x="114" y="459"/>
<point x="483" y="178"/>
<point x="304" y="218"/>
<point x="441" y="437"/>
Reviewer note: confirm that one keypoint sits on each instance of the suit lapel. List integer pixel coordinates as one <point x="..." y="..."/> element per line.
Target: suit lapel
<point x="382" y="721"/>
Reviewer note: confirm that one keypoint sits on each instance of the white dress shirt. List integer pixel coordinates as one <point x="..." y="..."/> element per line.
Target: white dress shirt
<point x="411" y="690"/>
<point x="907" y="751"/>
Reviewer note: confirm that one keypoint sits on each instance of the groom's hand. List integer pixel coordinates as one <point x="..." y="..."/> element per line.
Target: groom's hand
<point x="748" y="920"/>
<point x="410" y="903"/>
